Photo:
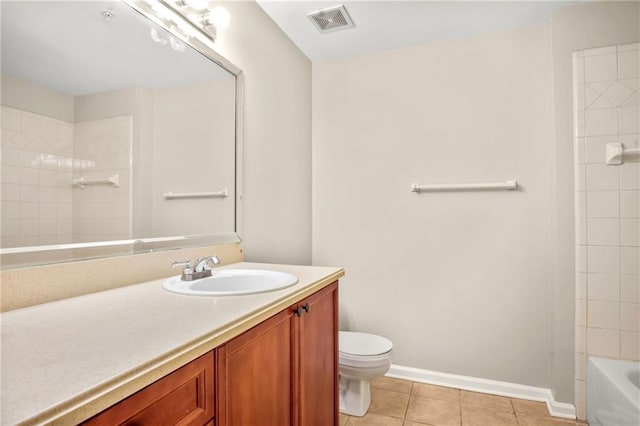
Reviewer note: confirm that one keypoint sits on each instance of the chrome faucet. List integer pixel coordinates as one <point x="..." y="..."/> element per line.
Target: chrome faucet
<point x="205" y="263"/>
<point x="201" y="267"/>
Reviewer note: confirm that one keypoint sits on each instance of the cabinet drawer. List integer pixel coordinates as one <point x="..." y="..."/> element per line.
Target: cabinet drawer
<point x="184" y="397"/>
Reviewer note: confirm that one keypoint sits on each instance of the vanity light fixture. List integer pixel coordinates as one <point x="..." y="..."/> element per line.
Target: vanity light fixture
<point x="162" y="12"/>
<point x="210" y="21"/>
<point x="219" y="16"/>
<point x="199" y="13"/>
<point x="197" y="4"/>
<point x="187" y="14"/>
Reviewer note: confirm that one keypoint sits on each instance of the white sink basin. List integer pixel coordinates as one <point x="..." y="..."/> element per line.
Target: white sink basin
<point x="232" y="282"/>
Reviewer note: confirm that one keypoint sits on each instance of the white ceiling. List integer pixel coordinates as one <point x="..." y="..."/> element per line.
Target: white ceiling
<point x="391" y="24"/>
<point x="67" y="46"/>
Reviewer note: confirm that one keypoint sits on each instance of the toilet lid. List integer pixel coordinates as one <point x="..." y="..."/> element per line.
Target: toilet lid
<point x="363" y="344"/>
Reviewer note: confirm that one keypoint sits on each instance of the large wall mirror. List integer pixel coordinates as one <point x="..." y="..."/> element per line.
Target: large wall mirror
<point x="118" y="135"/>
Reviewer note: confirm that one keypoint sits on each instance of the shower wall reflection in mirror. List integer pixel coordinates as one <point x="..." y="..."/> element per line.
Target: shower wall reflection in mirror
<point x="105" y="115"/>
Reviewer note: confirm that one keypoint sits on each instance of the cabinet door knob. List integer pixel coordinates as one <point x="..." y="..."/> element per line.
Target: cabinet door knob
<point x="306" y="307"/>
<point x="298" y="311"/>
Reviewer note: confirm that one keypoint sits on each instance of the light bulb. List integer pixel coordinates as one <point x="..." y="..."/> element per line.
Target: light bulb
<point x="219" y="17"/>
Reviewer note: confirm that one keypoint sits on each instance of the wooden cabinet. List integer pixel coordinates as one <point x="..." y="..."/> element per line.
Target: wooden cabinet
<point x="283" y="371"/>
<point x="184" y="397"/>
<point x="317" y="375"/>
<point x="255" y="375"/>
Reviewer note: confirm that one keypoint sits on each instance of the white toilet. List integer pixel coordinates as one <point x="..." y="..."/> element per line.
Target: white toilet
<point x="362" y="358"/>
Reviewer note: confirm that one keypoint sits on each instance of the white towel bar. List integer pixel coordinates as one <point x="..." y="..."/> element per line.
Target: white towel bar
<point x="83" y="181"/>
<point x="182" y="195"/>
<point x="616" y="151"/>
<point x="510" y="184"/>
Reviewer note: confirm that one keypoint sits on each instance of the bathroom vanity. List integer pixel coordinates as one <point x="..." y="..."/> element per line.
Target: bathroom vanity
<point x="142" y="355"/>
<point x="79" y="343"/>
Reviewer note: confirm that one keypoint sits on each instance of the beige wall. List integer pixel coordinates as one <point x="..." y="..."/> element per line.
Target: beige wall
<point x="179" y="137"/>
<point x="277" y="136"/>
<point x="193" y="134"/>
<point x="571" y="29"/>
<point x="459" y="281"/>
<point x="27" y="96"/>
<point x="442" y="113"/>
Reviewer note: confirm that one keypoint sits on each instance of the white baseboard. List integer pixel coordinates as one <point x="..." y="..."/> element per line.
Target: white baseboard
<point x="494" y="387"/>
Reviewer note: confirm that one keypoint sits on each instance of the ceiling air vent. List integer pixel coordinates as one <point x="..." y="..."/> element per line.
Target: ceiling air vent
<point x="331" y="19"/>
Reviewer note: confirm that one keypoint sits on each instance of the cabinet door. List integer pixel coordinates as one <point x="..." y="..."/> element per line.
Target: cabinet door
<point x="255" y="375"/>
<point x="184" y="397"/>
<point x="317" y="375"/>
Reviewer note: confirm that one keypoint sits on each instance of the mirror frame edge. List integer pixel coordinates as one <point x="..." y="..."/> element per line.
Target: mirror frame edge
<point x="204" y="44"/>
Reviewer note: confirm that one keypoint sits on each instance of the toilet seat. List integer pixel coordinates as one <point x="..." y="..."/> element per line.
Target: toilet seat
<point x="368" y="361"/>
<point x="363" y="350"/>
<point x="359" y="345"/>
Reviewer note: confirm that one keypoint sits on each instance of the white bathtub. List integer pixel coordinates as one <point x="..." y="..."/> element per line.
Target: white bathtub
<point x="613" y="392"/>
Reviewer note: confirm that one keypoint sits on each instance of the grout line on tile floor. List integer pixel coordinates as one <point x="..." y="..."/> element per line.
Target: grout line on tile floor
<point x="515" y="413"/>
<point x="406" y="409"/>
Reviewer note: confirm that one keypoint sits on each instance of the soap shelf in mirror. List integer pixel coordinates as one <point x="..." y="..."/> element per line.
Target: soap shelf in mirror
<point x="82" y="182"/>
<point x="182" y="195"/>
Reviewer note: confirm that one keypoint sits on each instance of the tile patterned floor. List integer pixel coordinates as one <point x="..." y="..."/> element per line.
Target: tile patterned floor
<point x="402" y="403"/>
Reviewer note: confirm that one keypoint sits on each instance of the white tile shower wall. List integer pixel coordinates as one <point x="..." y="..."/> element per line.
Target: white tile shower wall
<point x="37" y="153"/>
<point x="40" y="158"/>
<point x="102" y="148"/>
<point x="607" y="209"/>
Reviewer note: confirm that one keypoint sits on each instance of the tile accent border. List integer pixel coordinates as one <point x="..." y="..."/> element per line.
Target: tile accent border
<point x="493" y="387"/>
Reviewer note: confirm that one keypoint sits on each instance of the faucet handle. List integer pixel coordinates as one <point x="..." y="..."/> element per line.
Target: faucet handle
<point x="187" y="271"/>
<point x="186" y="264"/>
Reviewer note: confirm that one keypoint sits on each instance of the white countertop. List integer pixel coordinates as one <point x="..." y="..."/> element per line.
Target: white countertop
<point x="64" y="361"/>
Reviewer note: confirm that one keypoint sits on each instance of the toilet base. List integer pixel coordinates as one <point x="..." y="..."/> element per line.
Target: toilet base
<point x="355" y="396"/>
